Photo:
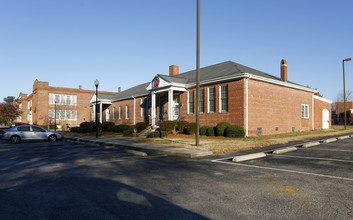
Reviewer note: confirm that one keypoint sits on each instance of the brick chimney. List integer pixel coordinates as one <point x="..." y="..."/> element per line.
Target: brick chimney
<point x="173" y="70"/>
<point x="284" y="71"/>
<point x="119" y="89"/>
<point x="80" y="86"/>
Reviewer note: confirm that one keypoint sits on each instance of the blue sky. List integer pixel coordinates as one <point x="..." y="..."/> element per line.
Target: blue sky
<point x="125" y="43"/>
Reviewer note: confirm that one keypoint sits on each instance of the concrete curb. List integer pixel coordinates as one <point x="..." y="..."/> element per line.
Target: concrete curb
<point x="344" y="137"/>
<point x="311" y="144"/>
<point x="249" y="157"/>
<point x="330" y="140"/>
<point x="137" y="153"/>
<point x="284" y="150"/>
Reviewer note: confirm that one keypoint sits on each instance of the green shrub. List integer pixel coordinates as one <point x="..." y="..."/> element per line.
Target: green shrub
<point x="75" y="129"/>
<point x="121" y="128"/>
<point x="93" y="126"/>
<point x="167" y="126"/>
<point x="140" y="126"/>
<point x="235" y="131"/>
<point x="85" y="124"/>
<point x="203" y="130"/>
<point x="107" y="126"/>
<point x="157" y="134"/>
<point x="190" y="128"/>
<point x="85" y="130"/>
<point x="210" y="131"/>
<point x="128" y="132"/>
<point x="221" y="127"/>
<point x="181" y="125"/>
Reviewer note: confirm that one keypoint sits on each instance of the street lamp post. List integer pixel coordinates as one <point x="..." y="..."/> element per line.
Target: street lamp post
<point x="197" y="136"/>
<point x="54" y="114"/>
<point x="96" y="83"/>
<point x="344" y="93"/>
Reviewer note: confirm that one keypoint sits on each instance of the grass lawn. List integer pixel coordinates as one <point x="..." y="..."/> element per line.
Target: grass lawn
<point x="222" y="145"/>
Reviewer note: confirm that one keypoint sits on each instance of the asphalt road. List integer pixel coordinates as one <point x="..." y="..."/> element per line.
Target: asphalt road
<point x="64" y="180"/>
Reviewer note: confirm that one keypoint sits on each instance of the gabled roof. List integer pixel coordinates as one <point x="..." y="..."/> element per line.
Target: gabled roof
<point x="136" y="91"/>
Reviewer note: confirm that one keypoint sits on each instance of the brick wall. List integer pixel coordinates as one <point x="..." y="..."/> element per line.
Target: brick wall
<point x="277" y="109"/>
<point x="319" y="106"/>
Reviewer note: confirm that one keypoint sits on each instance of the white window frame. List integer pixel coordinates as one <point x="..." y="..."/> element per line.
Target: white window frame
<point x="143" y="107"/>
<point x="208" y="99"/>
<point x="107" y="114"/>
<point x="62" y="99"/>
<point x="220" y="98"/>
<point x="188" y="101"/>
<point x="114" y="113"/>
<point x="127" y="112"/>
<point x="305" y="111"/>
<point x="63" y="115"/>
<point x="120" y="112"/>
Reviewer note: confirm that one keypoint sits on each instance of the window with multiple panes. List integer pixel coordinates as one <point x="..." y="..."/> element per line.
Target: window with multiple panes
<point x="191" y="102"/>
<point x="143" y="107"/>
<point x="61" y="99"/>
<point x="127" y="112"/>
<point x="149" y="106"/>
<point x="223" y="98"/>
<point x="63" y="115"/>
<point x="107" y="114"/>
<point x="211" y="99"/>
<point x="114" y="114"/>
<point x="305" y="111"/>
<point x="202" y="100"/>
<point x="120" y="113"/>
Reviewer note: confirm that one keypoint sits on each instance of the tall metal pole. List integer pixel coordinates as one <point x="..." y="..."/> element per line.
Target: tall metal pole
<point x="97" y="83"/>
<point x="344" y="98"/>
<point x="198" y="76"/>
<point x="344" y="94"/>
<point x="54" y="114"/>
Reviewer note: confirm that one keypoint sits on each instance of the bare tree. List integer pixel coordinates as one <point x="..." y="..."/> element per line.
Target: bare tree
<point x="340" y="96"/>
<point x="8" y="113"/>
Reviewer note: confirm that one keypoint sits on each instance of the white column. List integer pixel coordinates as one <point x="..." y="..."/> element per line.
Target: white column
<point x="170" y="105"/>
<point x="101" y="112"/>
<point x="153" y="108"/>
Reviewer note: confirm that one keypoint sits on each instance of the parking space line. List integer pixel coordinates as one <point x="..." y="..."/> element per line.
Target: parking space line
<point x="283" y="170"/>
<point x="313" y="158"/>
<point x="333" y="150"/>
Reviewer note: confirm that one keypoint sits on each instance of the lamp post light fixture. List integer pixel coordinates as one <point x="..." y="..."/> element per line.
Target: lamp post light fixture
<point x="96" y="83"/>
<point x="344" y="93"/>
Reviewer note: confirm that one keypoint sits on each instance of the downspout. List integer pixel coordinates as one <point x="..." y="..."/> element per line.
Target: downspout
<point x="247" y="105"/>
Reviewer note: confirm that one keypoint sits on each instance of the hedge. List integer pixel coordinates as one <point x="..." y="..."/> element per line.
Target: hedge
<point x="210" y="131"/>
<point x="203" y="130"/>
<point x="190" y="128"/>
<point x="108" y="126"/>
<point x="140" y="126"/>
<point x="158" y="134"/>
<point x="181" y="126"/>
<point x="128" y="132"/>
<point x="120" y="128"/>
<point x="167" y="126"/>
<point x="221" y="127"/>
<point x="75" y="129"/>
<point x="235" y="131"/>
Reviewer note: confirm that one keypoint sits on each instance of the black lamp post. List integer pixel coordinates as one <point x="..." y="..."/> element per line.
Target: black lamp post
<point x="344" y="93"/>
<point x="197" y="135"/>
<point x="96" y="83"/>
<point x="54" y="114"/>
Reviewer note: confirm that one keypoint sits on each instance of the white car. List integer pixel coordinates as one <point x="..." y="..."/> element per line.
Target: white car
<point x="29" y="132"/>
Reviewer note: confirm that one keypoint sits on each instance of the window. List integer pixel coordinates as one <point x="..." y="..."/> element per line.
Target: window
<point x="23" y="128"/>
<point x="191" y="102"/>
<point x="149" y="106"/>
<point x="37" y="129"/>
<point x="305" y="111"/>
<point x="211" y="100"/>
<point x="62" y="99"/>
<point x="114" y="114"/>
<point x="202" y="100"/>
<point x="143" y="107"/>
<point x="223" y="98"/>
<point x="127" y="112"/>
<point x="107" y="114"/>
<point x="120" y="113"/>
<point x="28" y="105"/>
<point x="63" y="115"/>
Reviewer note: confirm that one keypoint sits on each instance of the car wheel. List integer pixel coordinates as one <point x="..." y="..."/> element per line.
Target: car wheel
<point x="15" y="139"/>
<point x="52" y="138"/>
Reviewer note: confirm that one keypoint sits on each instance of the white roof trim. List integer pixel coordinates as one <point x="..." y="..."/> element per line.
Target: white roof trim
<point x="322" y="99"/>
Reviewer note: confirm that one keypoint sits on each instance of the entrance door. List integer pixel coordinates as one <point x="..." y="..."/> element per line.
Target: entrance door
<point x="325" y="119"/>
<point x="176" y="107"/>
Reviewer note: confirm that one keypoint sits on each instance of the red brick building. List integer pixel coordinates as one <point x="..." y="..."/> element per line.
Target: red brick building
<point x="340" y="112"/>
<point x="259" y="102"/>
<point x="72" y="105"/>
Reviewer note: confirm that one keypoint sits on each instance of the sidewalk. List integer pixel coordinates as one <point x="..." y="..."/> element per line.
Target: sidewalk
<point x="180" y="152"/>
